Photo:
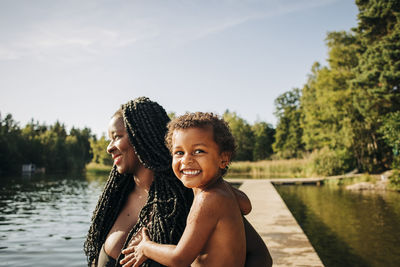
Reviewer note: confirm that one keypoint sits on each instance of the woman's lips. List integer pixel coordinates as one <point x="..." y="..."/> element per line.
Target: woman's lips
<point x="117" y="160"/>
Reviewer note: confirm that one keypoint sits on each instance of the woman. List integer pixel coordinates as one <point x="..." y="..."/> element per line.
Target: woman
<point x="142" y="189"/>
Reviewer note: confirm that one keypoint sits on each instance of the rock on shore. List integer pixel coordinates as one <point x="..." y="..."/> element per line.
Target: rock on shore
<point x="379" y="185"/>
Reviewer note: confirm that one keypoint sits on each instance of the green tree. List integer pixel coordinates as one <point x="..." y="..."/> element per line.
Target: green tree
<point x="326" y="98"/>
<point x="328" y="112"/>
<point x="390" y="130"/>
<point x="33" y="148"/>
<point x="288" y="135"/>
<point x="11" y="149"/>
<point x="263" y="139"/>
<point x="54" y="148"/>
<point x="99" y="148"/>
<point x="79" y="148"/>
<point x="243" y="135"/>
<point x="50" y="147"/>
<point x="171" y="115"/>
<point x="376" y="86"/>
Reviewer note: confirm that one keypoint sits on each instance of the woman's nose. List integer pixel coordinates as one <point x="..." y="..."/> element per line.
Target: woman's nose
<point x="110" y="147"/>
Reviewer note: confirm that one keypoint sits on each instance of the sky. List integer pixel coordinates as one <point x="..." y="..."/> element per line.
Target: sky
<point x="77" y="61"/>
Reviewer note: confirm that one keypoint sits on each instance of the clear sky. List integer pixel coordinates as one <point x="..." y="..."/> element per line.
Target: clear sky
<point x="76" y="61"/>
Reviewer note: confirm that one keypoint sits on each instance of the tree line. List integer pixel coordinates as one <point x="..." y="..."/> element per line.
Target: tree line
<point x="348" y="113"/>
<point x="57" y="150"/>
<point x="48" y="146"/>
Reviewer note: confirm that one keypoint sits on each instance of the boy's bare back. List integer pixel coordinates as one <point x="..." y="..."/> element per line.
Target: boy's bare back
<point x="216" y="222"/>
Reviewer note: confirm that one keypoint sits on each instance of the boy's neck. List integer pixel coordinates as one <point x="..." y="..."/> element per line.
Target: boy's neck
<point x="211" y="184"/>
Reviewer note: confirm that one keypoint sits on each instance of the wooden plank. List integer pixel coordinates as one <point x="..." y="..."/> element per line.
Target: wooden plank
<point x="286" y="241"/>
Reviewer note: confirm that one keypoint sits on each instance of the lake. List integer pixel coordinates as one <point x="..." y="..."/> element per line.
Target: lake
<point x="347" y="228"/>
<point x="44" y="221"/>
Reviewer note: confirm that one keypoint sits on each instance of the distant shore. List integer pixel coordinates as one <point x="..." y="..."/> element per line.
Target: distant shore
<point x="293" y="168"/>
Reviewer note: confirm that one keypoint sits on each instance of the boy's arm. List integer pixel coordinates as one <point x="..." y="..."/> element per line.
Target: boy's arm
<point x="201" y="222"/>
<point x="148" y="249"/>
<point x="257" y="253"/>
<point x="242" y="199"/>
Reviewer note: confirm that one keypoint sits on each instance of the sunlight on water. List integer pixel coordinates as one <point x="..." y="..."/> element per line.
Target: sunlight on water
<point x="44" y="220"/>
<point x="348" y="228"/>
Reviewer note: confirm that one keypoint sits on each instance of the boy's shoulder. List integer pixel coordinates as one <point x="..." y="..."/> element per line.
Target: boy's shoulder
<point x="218" y="193"/>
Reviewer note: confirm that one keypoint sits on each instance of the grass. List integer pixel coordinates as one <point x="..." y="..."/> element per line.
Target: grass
<point x="284" y="168"/>
<point x="96" y="168"/>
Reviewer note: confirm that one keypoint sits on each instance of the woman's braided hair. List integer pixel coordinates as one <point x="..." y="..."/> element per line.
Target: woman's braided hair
<point x="168" y="203"/>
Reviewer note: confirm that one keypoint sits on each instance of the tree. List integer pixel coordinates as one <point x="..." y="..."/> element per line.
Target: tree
<point x="288" y="135"/>
<point x="263" y="139"/>
<point x="34" y="149"/>
<point x="55" y="148"/>
<point x="376" y="86"/>
<point x="390" y="131"/>
<point x="46" y="146"/>
<point x="100" y="154"/>
<point x="79" y="148"/>
<point x="328" y="112"/>
<point x="243" y="135"/>
<point x="11" y="150"/>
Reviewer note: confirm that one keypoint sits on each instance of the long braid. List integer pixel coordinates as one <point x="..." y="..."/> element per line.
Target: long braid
<point x="146" y="124"/>
<point x="168" y="203"/>
<point x="164" y="213"/>
<point x="114" y="195"/>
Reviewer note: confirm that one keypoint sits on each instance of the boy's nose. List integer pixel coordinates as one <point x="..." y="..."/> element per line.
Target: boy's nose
<point x="187" y="158"/>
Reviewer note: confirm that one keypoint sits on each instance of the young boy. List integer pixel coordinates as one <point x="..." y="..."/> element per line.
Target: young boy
<point x="202" y="147"/>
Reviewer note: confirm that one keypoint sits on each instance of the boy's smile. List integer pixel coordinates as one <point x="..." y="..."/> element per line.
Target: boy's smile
<point x="190" y="172"/>
<point x="196" y="157"/>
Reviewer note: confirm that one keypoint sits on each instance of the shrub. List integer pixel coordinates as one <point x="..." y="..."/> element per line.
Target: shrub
<point x="329" y="162"/>
<point x="395" y="179"/>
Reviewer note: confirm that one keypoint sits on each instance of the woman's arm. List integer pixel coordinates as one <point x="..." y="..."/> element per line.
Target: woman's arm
<point x="242" y="199"/>
<point x="257" y="252"/>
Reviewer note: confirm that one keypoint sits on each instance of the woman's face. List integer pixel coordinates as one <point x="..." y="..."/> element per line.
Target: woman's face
<point x="120" y="148"/>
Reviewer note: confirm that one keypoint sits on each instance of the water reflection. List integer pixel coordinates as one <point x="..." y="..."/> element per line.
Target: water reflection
<point x="44" y="219"/>
<point x="348" y="228"/>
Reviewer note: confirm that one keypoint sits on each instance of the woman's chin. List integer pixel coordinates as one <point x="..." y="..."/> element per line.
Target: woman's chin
<point x="120" y="169"/>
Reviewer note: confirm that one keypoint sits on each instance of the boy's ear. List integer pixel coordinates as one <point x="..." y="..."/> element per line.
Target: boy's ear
<point x="225" y="159"/>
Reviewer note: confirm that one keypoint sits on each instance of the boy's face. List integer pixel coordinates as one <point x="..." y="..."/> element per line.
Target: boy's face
<point x="196" y="159"/>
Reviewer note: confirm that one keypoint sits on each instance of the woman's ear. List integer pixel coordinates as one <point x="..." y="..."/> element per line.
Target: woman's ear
<point x="225" y="159"/>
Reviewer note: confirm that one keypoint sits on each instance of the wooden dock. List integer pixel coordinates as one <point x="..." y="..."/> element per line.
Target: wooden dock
<point x="285" y="239"/>
<point x="297" y="181"/>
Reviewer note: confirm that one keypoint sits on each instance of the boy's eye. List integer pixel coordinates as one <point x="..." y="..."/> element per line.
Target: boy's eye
<point x="198" y="151"/>
<point x="178" y="153"/>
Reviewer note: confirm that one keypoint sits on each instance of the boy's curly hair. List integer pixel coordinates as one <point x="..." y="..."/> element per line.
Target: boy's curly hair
<point x="220" y="128"/>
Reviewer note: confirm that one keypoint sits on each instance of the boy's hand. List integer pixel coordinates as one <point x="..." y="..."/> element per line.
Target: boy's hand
<point x="134" y="255"/>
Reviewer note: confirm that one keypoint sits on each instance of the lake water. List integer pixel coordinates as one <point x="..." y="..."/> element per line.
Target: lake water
<point x="44" y="221"/>
<point x="348" y="228"/>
